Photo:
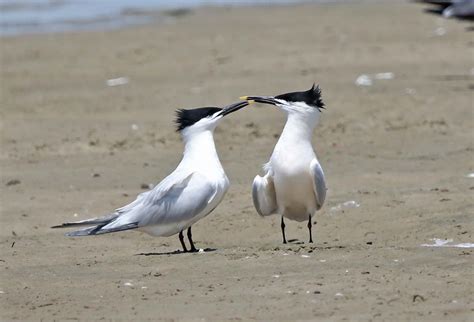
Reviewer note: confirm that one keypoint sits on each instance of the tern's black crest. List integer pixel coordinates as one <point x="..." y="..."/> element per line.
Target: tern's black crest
<point x="312" y="97"/>
<point x="185" y="118"/>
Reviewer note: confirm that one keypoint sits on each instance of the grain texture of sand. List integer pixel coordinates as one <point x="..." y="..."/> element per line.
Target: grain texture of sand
<point x="73" y="147"/>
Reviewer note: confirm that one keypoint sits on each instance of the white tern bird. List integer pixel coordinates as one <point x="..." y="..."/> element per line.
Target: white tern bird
<point x="189" y="193"/>
<point x="293" y="185"/>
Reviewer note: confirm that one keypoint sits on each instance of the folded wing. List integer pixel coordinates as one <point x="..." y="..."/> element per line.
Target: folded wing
<point x="319" y="185"/>
<point x="166" y="209"/>
<point x="263" y="194"/>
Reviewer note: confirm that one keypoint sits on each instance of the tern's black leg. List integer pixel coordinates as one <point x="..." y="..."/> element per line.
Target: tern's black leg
<point x="309" y="227"/>
<point x="283" y="230"/>
<point x="181" y="239"/>
<point x="190" y="237"/>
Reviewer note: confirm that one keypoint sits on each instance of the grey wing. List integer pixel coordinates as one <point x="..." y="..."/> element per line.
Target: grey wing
<point x="319" y="185"/>
<point x="174" y="202"/>
<point x="172" y="207"/>
<point x="263" y="195"/>
<point x="174" y="180"/>
<point x="131" y="205"/>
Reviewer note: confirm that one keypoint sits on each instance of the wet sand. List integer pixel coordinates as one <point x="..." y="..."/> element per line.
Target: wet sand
<point x="73" y="148"/>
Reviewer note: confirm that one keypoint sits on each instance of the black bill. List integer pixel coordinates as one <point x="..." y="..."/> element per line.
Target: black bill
<point x="261" y="99"/>
<point x="233" y="107"/>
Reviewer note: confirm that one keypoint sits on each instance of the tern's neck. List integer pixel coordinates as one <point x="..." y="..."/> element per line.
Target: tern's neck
<point x="299" y="127"/>
<point x="200" y="150"/>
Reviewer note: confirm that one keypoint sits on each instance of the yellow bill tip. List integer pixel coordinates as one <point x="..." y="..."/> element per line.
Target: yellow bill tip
<point x="243" y="98"/>
<point x="250" y="101"/>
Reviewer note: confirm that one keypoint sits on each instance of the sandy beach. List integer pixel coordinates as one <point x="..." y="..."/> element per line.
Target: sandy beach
<point x="73" y="147"/>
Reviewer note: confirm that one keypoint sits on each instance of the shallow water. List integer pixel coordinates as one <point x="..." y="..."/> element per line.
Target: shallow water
<point x="38" y="16"/>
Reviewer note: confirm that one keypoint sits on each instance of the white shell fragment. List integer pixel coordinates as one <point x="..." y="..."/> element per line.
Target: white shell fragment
<point x="368" y="79"/>
<point x="117" y="81"/>
<point x="440" y="31"/>
<point x="437" y="242"/>
<point x="347" y="204"/>
<point x="387" y="75"/>
<point x="364" y="80"/>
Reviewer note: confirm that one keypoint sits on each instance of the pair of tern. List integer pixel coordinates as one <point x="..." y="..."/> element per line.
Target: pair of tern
<point x="293" y="185"/>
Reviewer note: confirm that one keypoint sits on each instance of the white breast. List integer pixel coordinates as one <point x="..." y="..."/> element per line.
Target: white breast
<point x="293" y="184"/>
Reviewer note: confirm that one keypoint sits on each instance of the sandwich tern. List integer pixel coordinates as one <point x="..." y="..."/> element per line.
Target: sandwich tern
<point x="189" y="193"/>
<point x="293" y="185"/>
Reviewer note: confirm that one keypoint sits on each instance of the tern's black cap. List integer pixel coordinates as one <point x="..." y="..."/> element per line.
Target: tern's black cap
<point x="312" y="97"/>
<point x="185" y="118"/>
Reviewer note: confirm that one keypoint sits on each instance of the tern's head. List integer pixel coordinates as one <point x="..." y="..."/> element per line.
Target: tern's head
<point x="204" y="118"/>
<point x="307" y="102"/>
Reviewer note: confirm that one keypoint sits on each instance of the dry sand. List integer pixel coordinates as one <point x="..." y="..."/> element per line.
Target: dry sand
<point x="402" y="148"/>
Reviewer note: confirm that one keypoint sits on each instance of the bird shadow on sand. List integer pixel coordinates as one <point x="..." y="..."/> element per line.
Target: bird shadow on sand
<point x="295" y="242"/>
<point x="177" y="252"/>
